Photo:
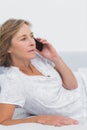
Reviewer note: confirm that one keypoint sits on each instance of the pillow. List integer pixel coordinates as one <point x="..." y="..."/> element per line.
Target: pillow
<point x="1" y="69"/>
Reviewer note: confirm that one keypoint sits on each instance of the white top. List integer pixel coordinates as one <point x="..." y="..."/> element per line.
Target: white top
<point x="40" y="94"/>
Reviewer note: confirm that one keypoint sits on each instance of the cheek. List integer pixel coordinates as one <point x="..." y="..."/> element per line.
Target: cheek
<point x="21" y="50"/>
<point x="18" y="49"/>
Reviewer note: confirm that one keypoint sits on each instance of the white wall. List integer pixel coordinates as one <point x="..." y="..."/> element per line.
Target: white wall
<point x="62" y="22"/>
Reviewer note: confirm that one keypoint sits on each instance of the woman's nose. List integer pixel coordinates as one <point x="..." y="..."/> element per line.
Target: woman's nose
<point x="32" y="42"/>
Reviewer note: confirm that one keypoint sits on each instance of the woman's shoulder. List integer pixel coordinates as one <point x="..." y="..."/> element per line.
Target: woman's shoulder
<point x="8" y="72"/>
<point x="9" y="77"/>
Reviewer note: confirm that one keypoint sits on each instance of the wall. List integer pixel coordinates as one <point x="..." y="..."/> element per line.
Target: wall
<point x="61" y="22"/>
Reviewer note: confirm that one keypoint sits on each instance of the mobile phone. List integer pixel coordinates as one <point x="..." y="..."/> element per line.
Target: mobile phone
<point x="39" y="45"/>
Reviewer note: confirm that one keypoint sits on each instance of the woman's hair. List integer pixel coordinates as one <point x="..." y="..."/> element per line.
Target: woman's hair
<point x="7" y="30"/>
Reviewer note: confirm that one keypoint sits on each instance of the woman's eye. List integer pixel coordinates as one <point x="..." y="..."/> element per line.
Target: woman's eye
<point x="32" y="36"/>
<point x="23" y="39"/>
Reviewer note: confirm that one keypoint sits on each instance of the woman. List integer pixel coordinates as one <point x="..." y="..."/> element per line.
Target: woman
<point x="38" y="81"/>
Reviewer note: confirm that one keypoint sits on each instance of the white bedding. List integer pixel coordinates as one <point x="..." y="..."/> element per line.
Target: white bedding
<point x="74" y="61"/>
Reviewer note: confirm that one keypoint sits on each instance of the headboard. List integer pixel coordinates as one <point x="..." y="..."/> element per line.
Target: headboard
<point x="75" y="59"/>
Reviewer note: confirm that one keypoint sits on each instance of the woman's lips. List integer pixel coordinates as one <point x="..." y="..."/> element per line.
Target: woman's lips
<point x="33" y="50"/>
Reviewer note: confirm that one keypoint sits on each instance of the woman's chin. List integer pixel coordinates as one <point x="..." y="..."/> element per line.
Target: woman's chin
<point x="32" y="56"/>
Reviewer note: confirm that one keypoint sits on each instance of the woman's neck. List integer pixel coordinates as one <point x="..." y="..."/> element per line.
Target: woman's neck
<point x="26" y="67"/>
<point x="22" y="65"/>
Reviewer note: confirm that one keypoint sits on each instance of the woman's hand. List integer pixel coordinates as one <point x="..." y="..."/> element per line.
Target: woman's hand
<point x="48" y="51"/>
<point x="56" y="120"/>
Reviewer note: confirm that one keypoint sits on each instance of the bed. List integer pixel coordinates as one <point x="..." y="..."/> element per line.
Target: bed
<point x="74" y="60"/>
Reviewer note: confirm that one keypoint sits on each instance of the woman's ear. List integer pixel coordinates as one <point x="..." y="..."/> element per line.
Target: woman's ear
<point x="9" y="50"/>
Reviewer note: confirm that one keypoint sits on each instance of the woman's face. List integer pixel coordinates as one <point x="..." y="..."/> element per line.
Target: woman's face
<point x="23" y="46"/>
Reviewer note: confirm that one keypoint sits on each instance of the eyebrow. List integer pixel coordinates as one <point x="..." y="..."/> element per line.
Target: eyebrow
<point x="25" y="35"/>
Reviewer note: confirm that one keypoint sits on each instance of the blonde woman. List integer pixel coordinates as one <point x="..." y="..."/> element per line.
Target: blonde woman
<point x="37" y="81"/>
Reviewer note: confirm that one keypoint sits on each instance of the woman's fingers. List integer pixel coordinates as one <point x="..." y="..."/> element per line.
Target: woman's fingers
<point x="44" y="41"/>
<point x="56" y="120"/>
<point x="68" y="121"/>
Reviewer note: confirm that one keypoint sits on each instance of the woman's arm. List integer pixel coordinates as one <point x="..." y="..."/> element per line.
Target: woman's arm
<point x="7" y="110"/>
<point x="68" y="79"/>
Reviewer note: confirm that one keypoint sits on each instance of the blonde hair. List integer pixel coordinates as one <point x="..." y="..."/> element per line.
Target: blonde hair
<point x="7" y="30"/>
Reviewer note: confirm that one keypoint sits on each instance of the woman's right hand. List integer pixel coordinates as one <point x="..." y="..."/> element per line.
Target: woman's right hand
<point x="55" y="120"/>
